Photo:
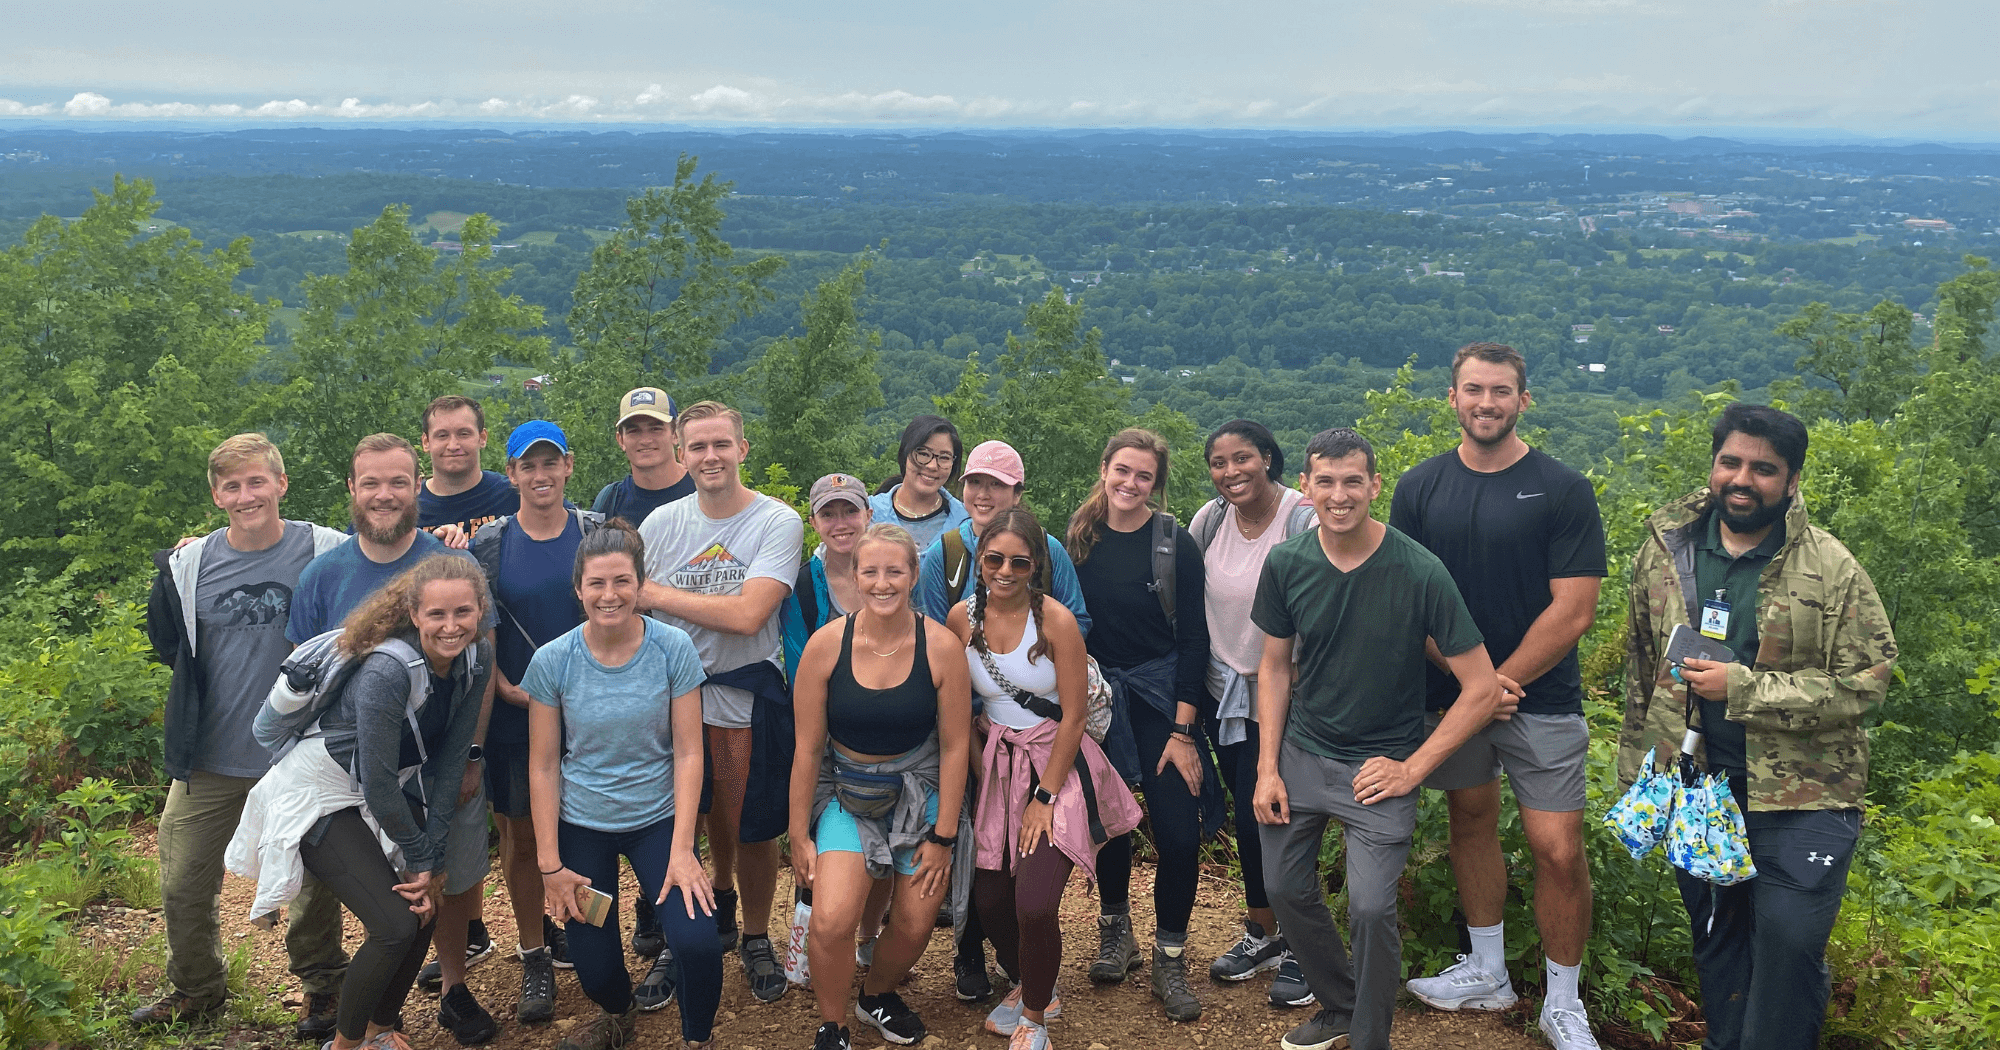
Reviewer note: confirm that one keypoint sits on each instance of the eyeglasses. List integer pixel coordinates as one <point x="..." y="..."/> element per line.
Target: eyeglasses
<point x="924" y="457"/>
<point x="1020" y="563"/>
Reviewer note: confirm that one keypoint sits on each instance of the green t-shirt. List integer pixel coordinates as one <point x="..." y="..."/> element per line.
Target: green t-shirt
<point x="1360" y="686"/>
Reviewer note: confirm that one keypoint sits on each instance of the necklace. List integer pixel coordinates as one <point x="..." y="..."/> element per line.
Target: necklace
<point x="901" y="641"/>
<point x="1258" y="522"/>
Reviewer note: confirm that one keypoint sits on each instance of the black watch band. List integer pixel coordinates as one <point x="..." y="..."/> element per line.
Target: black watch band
<point x="934" y="838"/>
<point x="1044" y="796"/>
<point x="1186" y="729"/>
<point x="475" y="753"/>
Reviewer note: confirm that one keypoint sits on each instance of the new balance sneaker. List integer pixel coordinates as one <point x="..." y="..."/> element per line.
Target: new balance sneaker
<point x="1325" y="1030"/>
<point x="317" y="1016"/>
<point x="467" y="1021"/>
<point x="1117" y="949"/>
<point x="725" y="919"/>
<point x="1170" y="983"/>
<point x="831" y="1036"/>
<point x="538" y="986"/>
<point x="1030" y="1036"/>
<point x="888" y="1014"/>
<point x="1566" y="1026"/>
<point x="1288" y="985"/>
<point x="608" y="1031"/>
<point x="478" y="949"/>
<point x="1008" y="1015"/>
<point x="970" y="981"/>
<point x="760" y="968"/>
<point x="1248" y="957"/>
<point x="1464" y="986"/>
<point x="172" y="1008"/>
<point x="657" y="990"/>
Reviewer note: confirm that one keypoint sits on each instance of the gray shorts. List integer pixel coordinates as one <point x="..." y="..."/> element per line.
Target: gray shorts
<point x="726" y="707"/>
<point x="466" y="856"/>
<point x="1543" y="756"/>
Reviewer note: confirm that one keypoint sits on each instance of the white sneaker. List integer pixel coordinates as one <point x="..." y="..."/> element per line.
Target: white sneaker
<point x="1566" y="1026"/>
<point x="1464" y="986"/>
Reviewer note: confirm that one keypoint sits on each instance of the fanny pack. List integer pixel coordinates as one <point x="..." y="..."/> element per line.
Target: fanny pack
<point x="865" y="795"/>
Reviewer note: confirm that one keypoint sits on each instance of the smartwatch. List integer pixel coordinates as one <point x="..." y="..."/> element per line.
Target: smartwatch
<point x="1186" y="729"/>
<point x="475" y="753"/>
<point x="1043" y="795"/>
<point x="934" y="838"/>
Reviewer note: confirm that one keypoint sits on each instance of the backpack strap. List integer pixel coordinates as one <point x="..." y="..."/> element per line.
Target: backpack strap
<point x="956" y="560"/>
<point x="1207" y="525"/>
<point x="418" y="668"/>
<point x="1301" y="519"/>
<point x="1165" y="529"/>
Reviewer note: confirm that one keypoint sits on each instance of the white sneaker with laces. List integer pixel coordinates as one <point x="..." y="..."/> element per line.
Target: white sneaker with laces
<point x="1464" y="986"/>
<point x="1566" y="1026"/>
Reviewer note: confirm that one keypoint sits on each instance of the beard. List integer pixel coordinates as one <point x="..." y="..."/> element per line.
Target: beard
<point x="1759" y="517"/>
<point x="383" y="536"/>
<point x="1507" y="425"/>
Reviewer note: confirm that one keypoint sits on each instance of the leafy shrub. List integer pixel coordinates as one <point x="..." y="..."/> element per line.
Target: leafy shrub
<point x="34" y="993"/>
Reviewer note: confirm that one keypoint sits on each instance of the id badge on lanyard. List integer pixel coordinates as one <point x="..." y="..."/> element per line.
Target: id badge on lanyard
<point x="1715" y="617"/>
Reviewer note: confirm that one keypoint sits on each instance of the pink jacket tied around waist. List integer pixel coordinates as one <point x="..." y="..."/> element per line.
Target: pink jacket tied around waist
<point x="1012" y="765"/>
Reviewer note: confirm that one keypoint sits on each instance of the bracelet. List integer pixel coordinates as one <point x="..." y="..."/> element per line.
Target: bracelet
<point x="936" y="839"/>
<point x="1186" y="729"/>
<point x="559" y="867"/>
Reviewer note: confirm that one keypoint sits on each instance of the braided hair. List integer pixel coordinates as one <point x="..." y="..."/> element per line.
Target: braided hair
<point x="1016" y="521"/>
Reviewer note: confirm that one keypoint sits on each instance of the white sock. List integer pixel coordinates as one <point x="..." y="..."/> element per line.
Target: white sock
<point x="1562" y="983"/>
<point x="1489" y="948"/>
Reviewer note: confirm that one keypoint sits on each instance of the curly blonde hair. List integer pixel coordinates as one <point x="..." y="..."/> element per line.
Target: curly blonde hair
<point x="392" y="610"/>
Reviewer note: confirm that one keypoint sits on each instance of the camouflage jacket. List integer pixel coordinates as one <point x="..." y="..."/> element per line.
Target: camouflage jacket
<point x="1824" y="650"/>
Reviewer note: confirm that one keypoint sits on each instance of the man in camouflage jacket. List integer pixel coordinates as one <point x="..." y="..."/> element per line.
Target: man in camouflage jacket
<point x="1783" y="721"/>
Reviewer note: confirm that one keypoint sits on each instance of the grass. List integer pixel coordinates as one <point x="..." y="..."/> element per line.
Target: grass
<point x="446" y="221"/>
<point x="1853" y="239"/>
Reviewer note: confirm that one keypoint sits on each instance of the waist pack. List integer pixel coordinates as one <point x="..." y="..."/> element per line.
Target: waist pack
<point x="866" y="795"/>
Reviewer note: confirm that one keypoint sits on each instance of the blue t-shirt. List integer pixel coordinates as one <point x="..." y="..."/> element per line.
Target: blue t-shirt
<point x="342" y="578"/>
<point x="618" y="724"/>
<point x="487" y="501"/>
<point x="536" y="591"/>
<point x="925" y="530"/>
<point x="625" y="499"/>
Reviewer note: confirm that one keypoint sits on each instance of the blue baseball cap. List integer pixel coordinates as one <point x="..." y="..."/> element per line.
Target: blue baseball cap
<point x="534" y="431"/>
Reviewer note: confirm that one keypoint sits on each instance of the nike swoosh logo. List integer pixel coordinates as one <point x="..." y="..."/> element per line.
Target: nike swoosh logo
<point x="959" y="577"/>
<point x="1528" y="495"/>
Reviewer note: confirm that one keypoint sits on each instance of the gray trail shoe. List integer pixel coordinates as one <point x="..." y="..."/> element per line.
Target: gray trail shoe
<point x="1117" y="949"/>
<point x="1170" y="983"/>
<point x="608" y="1031"/>
<point x="538" y="986"/>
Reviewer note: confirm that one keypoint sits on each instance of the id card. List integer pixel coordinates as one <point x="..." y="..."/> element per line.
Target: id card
<point x="1715" y="619"/>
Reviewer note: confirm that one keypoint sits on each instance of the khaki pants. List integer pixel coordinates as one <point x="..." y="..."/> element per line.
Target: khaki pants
<point x="195" y="827"/>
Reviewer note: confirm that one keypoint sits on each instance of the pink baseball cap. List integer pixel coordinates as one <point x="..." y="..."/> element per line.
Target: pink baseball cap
<point x="996" y="459"/>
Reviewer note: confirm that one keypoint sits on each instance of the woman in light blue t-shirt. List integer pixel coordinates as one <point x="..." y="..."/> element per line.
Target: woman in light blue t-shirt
<point x="614" y="747"/>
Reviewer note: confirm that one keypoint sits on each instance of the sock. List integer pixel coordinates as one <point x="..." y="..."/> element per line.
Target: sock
<point x="1489" y="948"/>
<point x="1562" y="982"/>
<point x="1171" y="943"/>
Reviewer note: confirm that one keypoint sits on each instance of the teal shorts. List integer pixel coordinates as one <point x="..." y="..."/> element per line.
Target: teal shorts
<point x="836" y="833"/>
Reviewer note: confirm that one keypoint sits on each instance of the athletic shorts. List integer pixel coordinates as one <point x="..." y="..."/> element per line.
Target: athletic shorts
<point x="1542" y="755"/>
<point x="726" y="707"/>
<point x="506" y="781"/>
<point x="836" y="833"/>
<point x="467" y="857"/>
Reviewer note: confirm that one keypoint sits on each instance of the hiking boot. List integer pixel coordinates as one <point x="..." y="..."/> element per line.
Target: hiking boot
<point x="971" y="982"/>
<point x="1030" y="1036"/>
<point x="467" y="1021"/>
<point x="657" y="990"/>
<point x="1007" y="1016"/>
<point x="760" y="967"/>
<point x="608" y="1031"/>
<point x="478" y="949"/>
<point x="831" y="1036"/>
<point x="538" y="986"/>
<point x="1464" y="986"/>
<point x="1288" y="986"/>
<point x="888" y="1014"/>
<point x="725" y="919"/>
<point x="1566" y="1026"/>
<point x="1117" y="949"/>
<point x="647" y="940"/>
<point x="1325" y="1030"/>
<point x="316" y="1017"/>
<point x="1170" y="982"/>
<point x="1248" y="957"/>
<point x="173" y="1008"/>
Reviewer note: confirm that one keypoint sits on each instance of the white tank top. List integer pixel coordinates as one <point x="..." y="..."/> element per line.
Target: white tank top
<point x="1038" y="677"/>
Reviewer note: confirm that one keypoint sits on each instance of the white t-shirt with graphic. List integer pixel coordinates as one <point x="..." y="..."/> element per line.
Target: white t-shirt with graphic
<point x="690" y="551"/>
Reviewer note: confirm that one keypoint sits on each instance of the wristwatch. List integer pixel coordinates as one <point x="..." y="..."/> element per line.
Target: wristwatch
<point x="1043" y="795"/>
<point x="475" y="753"/>
<point x="933" y="837"/>
<point x="1186" y="729"/>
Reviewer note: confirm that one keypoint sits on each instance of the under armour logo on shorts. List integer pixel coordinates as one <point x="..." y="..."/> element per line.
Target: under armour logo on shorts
<point x="1822" y="859"/>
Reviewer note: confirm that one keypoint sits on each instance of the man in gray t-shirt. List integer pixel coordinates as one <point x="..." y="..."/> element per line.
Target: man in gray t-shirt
<point x="241" y="601"/>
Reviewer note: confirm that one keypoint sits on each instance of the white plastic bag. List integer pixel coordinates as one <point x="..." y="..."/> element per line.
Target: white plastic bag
<point x="797" y="969"/>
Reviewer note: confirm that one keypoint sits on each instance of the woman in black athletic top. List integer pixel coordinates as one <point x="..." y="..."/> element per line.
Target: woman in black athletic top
<point x="884" y="711"/>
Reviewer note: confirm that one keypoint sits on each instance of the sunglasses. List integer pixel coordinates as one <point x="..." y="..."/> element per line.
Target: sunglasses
<point x="994" y="561"/>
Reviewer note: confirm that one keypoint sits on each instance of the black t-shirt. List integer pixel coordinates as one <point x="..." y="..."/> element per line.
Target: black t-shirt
<point x="1128" y="626"/>
<point x="624" y="498"/>
<point x="1503" y="536"/>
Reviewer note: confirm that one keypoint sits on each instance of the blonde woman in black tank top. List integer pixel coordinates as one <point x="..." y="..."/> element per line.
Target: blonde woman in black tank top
<point x="873" y="689"/>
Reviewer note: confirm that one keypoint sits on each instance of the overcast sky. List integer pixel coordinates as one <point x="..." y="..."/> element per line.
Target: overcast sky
<point x="1897" y="68"/>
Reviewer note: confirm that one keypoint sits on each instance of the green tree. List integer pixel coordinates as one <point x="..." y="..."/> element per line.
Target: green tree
<point x="1057" y="405"/>
<point x="1866" y="359"/>
<point x="125" y="354"/>
<point x="820" y="386"/>
<point x="378" y="342"/>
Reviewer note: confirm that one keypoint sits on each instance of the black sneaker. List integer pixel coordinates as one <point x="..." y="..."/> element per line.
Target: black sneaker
<point x="1325" y="1030"/>
<point x="557" y="939"/>
<point x="647" y="940"/>
<point x="657" y="990"/>
<point x="316" y="1019"/>
<point x="831" y="1036"/>
<point x="725" y="919"/>
<point x="890" y="1015"/>
<point x="760" y="967"/>
<point x="973" y="984"/>
<point x="1288" y="986"/>
<point x="478" y="949"/>
<point x="538" y="986"/>
<point x="1249" y="956"/>
<point x="467" y="1021"/>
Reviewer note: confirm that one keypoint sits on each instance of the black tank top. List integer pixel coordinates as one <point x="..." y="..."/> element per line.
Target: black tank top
<point x="881" y="721"/>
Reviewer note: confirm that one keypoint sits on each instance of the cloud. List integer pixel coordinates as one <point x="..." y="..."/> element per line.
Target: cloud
<point x="11" y="108"/>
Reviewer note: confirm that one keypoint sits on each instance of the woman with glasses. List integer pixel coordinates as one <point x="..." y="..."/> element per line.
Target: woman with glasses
<point x="917" y="498"/>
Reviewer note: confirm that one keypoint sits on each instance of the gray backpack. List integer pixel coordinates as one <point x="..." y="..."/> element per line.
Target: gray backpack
<point x="310" y="681"/>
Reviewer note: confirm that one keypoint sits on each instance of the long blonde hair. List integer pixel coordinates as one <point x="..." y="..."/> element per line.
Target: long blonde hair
<point x="1088" y="521"/>
<point x="392" y="610"/>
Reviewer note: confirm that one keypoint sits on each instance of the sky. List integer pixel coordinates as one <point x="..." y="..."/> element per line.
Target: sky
<point x="1886" y="68"/>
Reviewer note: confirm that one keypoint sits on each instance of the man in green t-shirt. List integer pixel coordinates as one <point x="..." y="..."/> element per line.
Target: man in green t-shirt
<point x="1353" y="601"/>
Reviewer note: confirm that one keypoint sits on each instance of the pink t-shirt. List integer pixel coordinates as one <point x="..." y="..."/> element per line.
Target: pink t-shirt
<point x="1233" y="565"/>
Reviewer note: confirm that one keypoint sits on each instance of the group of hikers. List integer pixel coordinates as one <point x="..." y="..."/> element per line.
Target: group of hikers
<point x="949" y="709"/>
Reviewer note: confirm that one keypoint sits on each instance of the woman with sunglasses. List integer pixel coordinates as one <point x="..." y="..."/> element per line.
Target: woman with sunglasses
<point x="918" y="498"/>
<point x="1156" y="661"/>
<point x="1048" y="798"/>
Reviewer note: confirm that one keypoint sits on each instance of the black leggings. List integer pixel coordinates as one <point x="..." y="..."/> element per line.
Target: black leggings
<point x="1174" y="817"/>
<point x="348" y="860"/>
<point x="1238" y="765"/>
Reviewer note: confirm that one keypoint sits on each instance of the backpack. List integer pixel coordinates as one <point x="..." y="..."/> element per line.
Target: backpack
<point x="310" y="681"/>
<point x="489" y="552"/>
<point x="1299" y="520"/>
